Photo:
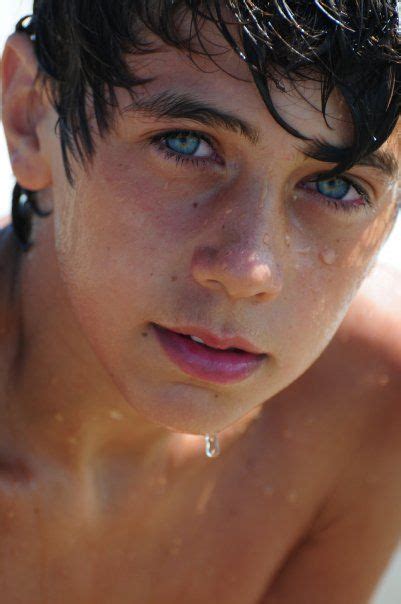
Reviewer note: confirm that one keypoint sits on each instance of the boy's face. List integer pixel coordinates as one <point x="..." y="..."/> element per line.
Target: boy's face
<point x="182" y="224"/>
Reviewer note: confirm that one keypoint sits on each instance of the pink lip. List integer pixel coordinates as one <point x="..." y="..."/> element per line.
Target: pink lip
<point x="218" y="366"/>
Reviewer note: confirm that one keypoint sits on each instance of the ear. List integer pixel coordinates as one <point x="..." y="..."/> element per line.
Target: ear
<point x="25" y="106"/>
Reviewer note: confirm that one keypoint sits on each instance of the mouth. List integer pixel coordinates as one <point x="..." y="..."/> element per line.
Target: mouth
<point x="202" y="361"/>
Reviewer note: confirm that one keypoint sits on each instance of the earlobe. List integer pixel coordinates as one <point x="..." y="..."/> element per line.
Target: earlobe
<point x="24" y="107"/>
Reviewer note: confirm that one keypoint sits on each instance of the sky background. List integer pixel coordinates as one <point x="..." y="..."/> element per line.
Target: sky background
<point x="10" y="11"/>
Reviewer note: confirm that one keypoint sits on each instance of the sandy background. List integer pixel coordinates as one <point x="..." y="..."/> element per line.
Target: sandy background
<point x="389" y="591"/>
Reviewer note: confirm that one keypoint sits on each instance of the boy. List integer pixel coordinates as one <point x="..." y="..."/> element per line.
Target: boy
<point x="217" y="179"/>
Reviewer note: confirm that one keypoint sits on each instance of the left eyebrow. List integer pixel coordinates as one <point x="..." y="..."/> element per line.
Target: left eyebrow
<point x="384" y="161"/>
<point x="182" y="106"/>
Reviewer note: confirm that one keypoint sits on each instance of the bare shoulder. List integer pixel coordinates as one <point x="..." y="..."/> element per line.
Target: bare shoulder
<point x="358" y="524"/>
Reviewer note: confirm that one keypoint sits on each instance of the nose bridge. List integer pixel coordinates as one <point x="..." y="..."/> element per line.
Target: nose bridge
<point x="241" y="256"/>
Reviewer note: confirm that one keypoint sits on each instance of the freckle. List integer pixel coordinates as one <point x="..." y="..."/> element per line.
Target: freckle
<point x="174" y="278"/>
<point x="195" y="205"/>
<point x="145" y="334"/>
<point x="328" y="256"/>
<point x="216" y="396"/>
<point x="223" y="227"/>
<point x="292" y="497"/>
<point x="371" y="479"/>
<point x="151" y="274"/>
<point x="268" y="490"/>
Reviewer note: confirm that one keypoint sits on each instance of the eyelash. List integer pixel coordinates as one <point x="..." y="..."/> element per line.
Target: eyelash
<point x="160" y="139"/>
<point x="341" y="205"/>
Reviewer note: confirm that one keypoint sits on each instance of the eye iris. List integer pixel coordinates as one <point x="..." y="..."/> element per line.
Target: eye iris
<point x="185" y="144"/>
<point x="336" y="188"/>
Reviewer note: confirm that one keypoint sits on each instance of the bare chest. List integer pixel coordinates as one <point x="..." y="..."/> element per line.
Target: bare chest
<point x="221" y="537"/>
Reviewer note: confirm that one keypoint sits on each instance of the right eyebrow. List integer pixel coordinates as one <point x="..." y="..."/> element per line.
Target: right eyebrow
<point x="382" y="160"/>
<point x="183" y="106"/>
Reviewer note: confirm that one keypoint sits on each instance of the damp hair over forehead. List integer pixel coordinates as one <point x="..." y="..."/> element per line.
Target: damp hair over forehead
<point x="351" y="46"/>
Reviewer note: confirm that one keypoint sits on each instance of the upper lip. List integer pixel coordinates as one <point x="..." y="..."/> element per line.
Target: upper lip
<point x="214" y="341"/>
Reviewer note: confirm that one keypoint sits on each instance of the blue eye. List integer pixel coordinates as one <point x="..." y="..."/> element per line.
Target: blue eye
<point x="338" y="192"/>
<point x="183" y="143"/>
<point x="336" y="188"/>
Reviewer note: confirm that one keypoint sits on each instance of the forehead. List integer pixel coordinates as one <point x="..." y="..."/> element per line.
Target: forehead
<point x="215" y="74"/>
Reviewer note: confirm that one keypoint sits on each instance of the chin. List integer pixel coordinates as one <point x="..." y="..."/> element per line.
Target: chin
<point x="186" y="408"/>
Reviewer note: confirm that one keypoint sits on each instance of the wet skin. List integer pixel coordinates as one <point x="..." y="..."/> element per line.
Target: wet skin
<point x="106" y="493"/>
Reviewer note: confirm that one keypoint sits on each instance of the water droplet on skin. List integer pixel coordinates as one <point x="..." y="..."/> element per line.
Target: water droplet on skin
<point x="303" y="250"/>
<point x="59" y="418"/>
<point x="287" y="240"/>
<point x="116" y="415"/>
<point x="212" y="445"/>
<point x="293" y="497"/>
<point x="328" y="256"/>
<point x="384" y="380"/>
<point x="266" y="239"/>
<point x="287" y="434"/>
<point x="176" y="546"/>
<point x="228" y="211"/>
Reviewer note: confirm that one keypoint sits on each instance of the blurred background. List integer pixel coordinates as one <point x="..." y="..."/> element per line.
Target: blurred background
<point x="11" y="11"/>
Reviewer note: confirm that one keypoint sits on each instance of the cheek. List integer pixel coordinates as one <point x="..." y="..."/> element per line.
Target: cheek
<point x="124" y="239"/>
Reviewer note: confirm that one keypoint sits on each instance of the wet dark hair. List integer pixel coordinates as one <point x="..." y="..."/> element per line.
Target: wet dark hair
<point x="349" y="45"/>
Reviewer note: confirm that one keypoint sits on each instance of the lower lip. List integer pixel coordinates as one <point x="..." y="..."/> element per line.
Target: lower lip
<point x="202" y="362"/>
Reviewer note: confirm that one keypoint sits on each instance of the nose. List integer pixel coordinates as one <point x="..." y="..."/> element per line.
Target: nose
<point x="239" y="268"/>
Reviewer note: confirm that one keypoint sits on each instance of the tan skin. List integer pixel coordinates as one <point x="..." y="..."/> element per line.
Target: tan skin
<point x="106" y="495"/>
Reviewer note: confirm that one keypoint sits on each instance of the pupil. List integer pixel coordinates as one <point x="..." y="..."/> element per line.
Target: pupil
<point x="335" y="187"/>
<point x="184" y="144"/>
